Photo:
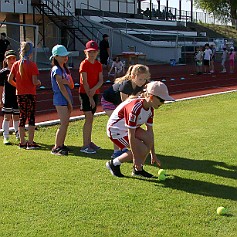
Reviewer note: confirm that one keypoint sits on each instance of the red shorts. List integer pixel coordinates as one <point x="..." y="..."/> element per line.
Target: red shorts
<point x="121" y="142"/>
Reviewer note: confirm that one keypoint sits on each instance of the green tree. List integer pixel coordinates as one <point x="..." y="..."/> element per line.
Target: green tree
<point x="222" y="9"/>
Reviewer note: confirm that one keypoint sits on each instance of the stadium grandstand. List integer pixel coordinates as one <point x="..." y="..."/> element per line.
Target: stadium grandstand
<point x="161" y="33"/>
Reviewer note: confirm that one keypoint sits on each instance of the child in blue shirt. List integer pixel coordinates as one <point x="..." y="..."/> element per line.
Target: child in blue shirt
<point x="62" y="83"/>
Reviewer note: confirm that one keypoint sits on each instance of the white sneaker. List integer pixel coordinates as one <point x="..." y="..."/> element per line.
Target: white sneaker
<point x="6" y="141"/>
<point x="87" y="150"/>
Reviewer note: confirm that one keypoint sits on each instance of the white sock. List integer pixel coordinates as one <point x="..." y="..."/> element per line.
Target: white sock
<point x="16" y="125"/>
<point x="5" y="127"/>
<point x="116" y="162"/>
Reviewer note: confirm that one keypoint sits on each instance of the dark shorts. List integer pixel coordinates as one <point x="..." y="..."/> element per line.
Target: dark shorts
<point x="206" y="62"/>
<point x="104" y="60"/>
<point x="10" y="105"/>
<point x="85" y="103"/>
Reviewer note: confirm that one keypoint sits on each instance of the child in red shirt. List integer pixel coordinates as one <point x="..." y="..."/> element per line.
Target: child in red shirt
<point x="25" y="73"/>
<point x="91" y="79"/>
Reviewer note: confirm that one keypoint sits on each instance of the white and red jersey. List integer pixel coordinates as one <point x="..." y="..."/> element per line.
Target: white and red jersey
<point x="129" y="114"/>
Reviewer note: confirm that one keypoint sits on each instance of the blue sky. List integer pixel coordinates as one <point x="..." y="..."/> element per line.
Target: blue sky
<point x="186" y="5"/>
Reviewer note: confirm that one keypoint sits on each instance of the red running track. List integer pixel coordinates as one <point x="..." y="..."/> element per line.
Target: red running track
<point x="181" y="81"/>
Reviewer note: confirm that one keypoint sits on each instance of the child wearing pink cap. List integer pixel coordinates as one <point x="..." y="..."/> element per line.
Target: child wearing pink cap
<point x="124" y="129"/>
<point x="91" y="79"/>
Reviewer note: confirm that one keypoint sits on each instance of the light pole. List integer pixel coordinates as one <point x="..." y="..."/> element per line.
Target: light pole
<point x="191" y="10"/>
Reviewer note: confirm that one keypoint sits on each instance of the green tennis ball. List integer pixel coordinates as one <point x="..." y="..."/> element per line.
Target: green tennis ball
<point x="162" y="177"/>
<point x="161" y="171"/>
<point x="221" y="211"/>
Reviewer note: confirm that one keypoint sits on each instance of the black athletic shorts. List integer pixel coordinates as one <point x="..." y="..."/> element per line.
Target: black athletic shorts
<point x="85" y="103"/>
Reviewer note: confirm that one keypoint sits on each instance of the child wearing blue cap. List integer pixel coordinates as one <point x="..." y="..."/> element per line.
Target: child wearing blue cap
<point x="62" y="83"/>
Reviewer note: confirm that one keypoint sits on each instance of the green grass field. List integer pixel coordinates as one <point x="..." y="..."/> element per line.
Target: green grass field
<point x="45" y="195"/>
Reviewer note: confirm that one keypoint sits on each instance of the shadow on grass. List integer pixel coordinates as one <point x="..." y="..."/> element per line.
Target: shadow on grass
<point x="201" y="188"/>
<point x="174" y="182"/>
<point x="171" y="162"/>
<point x="202" y="166"/>
<point x="102" y="154"/>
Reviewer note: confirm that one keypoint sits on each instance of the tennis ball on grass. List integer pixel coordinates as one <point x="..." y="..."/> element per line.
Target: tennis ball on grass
<point x="221" y="211"/>
<point x="161" y="171"/>
<point x="162" y="177"/>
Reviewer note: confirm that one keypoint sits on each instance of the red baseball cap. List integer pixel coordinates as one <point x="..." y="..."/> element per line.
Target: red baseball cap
<point x="91" y="46"/>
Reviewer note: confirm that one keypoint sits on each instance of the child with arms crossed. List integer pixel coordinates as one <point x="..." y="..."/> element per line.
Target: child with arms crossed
<point x="62" y="84"/>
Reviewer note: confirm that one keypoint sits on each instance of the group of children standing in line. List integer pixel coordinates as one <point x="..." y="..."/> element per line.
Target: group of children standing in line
<point x="126" y="102"/>
<point x="205" y="59"/>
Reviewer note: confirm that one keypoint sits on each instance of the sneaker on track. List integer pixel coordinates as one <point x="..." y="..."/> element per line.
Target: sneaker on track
<point x="114" y="170"/>
<point x="141" y="173"/>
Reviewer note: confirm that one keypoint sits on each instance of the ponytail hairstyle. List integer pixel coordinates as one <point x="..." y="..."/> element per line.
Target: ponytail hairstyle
<point x="54" y="62"/>
<point x="133" y="71"/>
<point x="127" y="76"/>
<point x="25" y="53"/>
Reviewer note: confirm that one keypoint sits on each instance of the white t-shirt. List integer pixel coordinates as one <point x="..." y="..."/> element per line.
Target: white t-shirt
<point x="207" y="54"/>
<point x="118" y="66"/>
<point x="129" y="114"/>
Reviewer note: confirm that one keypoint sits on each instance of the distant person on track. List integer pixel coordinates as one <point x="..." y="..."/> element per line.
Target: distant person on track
<point x="91" y="79"/>
<point x="224" y="58"/>
<point x="213" y="58"/>
<point x="62" y="84"/>
<point x="232" y="55"/>
<point x="10" y="107"/>
<point x="104" y="50"/>
<point x="124" y="129"/>
<point x="132" y="83"/>
<point x="26" y="74"/>
<point x="207" y="58"/>
<point x="117" y="67"/>
<point x="199" y="60"/>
